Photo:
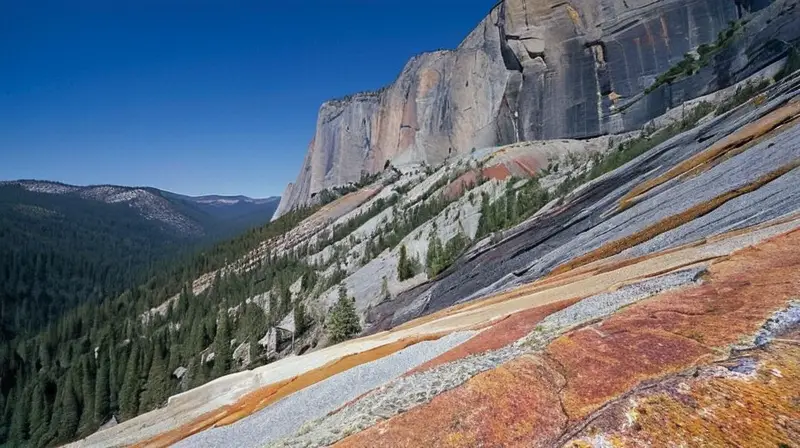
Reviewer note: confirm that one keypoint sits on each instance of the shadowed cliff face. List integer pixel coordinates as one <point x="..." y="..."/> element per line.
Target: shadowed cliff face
<point x="536" y="70"/>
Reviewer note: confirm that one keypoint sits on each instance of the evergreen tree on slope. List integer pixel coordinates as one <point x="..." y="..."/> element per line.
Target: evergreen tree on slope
<point x="344" y="323"/>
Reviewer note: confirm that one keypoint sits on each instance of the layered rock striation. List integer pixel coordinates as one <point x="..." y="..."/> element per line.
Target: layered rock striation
<point x="535" y="70"/>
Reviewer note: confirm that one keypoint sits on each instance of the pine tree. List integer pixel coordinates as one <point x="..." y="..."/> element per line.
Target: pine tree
<point x="69" y="412"/>
<point x="116" y="374"/>
<point x="436" y="256"/>
<point x="102" y="395"/>
<point x="401" y="264"/>
<point x="217" y="285"/>
<point x="309" y="279"/>
<point x="201" y="375"/>
<point x="38" y="418"/>
<point x="300" y="318"/>
<point x="55" y="416"/>
<point x="174" y="360"/>
<point x="344" y="322"/>
<point x="286" y="300"/>
<point x="222" y="347"/>
<point x="129" y="393"/>
<point x="485" y="221"/>
<point x="188" y="377"/>
<point x="157" y="388"/>
<point x="195" y="342"/>
<point x="252" y="324"/>
<point x="19" y="418"/>
<point x="87" y="396"/>
<point x="385" y="295"/>
<point x="274" y="314"/>
<point x="512" y="214"/>
<point x="3" y="419"/>
<point x="146" y="351"/>
<point x="405" y="266"/>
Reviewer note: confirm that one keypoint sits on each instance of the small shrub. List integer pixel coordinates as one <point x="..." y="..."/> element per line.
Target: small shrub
<point x="792" y="64"/>
<point x="743" y="94"/>
<point x="689" y="65"/>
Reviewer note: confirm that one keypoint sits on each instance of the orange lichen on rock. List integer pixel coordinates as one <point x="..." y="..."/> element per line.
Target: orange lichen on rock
<point x="498" y="335"/>
<point x="498" y="172"/>
<point x="599" y="366"/>
<point x="761" y="408"/>
<point x="676" y="329"/>
<point x="455" y="189"/>
<point x="538" y="286"/>
<point x="673" y="221"/>
<point x="554" y="392"/>
<point x="561" y="279"/>
<point x="528" y="166"/>
<point x="708" y="158"/>
<point x="345" y="204"/>
<point x="522" y="165"/>
<point x="518" y="396"/>
<point x="574" y="16"/>
<point x="261" y="398"/>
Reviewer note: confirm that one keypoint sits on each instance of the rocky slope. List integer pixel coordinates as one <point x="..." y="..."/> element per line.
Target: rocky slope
<point x="534" y="70"/>
<point x="654" y="278"/>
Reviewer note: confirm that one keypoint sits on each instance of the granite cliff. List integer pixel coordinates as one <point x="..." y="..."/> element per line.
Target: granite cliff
<point x="535" y="70"/>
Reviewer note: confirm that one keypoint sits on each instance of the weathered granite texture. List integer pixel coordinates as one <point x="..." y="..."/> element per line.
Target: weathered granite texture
<point x="591" y="217"/>
<point x="542" y="69"/>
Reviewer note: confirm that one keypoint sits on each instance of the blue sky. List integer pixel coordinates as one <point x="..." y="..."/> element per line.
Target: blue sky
<point x="195" y="96"/>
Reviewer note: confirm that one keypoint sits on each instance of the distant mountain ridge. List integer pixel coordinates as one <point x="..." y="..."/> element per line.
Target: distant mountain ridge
<point x="225" y="200"/>
<point x="86" y="242"/>
<point x="190" y="216"/>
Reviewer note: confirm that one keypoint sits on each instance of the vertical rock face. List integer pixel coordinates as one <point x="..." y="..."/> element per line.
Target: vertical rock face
<point x="442" y="102"/>
<point x="537" y="69"/>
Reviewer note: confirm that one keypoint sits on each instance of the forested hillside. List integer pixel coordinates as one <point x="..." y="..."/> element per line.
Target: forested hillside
<point x="61" y="246"/>
<point x="101" y="358"/>
<point x="67" y="255"/>
<point x="57" y="251"/>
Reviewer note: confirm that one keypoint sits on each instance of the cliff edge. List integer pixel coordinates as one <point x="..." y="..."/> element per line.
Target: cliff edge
<point x="536" y="70"/>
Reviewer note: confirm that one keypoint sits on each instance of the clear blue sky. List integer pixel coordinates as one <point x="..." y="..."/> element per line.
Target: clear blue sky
<point x="195" y="96"/>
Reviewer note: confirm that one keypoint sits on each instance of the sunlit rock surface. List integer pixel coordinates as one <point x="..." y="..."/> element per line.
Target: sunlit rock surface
<point x="535" y="70"/>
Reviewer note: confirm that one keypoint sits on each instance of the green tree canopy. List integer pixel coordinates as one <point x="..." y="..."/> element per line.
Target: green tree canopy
<point x="343" y="323"/>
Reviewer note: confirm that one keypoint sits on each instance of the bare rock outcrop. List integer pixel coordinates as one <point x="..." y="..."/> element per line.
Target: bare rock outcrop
<point x="534" y="70"/>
